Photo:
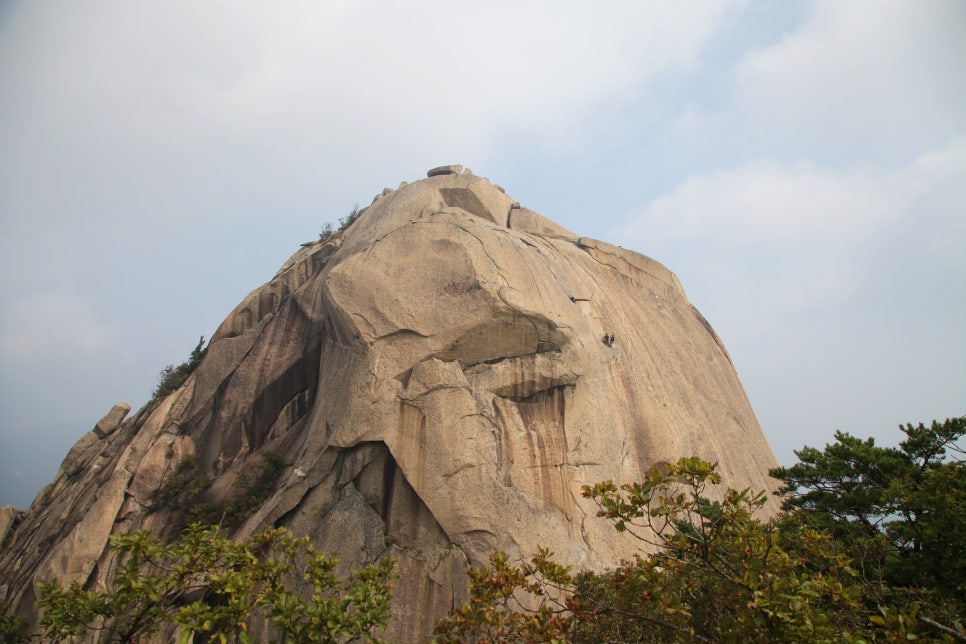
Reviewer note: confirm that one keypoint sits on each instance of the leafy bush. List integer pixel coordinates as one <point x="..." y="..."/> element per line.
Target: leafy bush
<point x="256" y="487"/>
<point x="184" y="492"/>
<point x="718" y="574"/>
<point x="13" y="629"/>
<point x="344" y="222"/>
<point x="209" y="585"/>
<point x="871" y="547"/>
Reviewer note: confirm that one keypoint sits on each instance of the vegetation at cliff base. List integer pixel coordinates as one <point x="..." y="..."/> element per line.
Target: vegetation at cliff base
<point x="869" y="547"/>
<point x="208" y="585"/>
<point x="718" y="574"/>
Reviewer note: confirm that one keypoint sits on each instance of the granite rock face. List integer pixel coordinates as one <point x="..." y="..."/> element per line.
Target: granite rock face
<point x="436" y="385"/>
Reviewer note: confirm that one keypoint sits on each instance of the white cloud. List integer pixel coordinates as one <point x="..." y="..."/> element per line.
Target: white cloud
<point x="763" y="230"/>
<point x="304" y="79"/>
<point x="767" y="202"/>
<point x="868" y="73"/>
<point x="537" y="65"/>
<point x="933" y="191"/>
<point x="839" y="294"/>
<point x="802" y="231"/>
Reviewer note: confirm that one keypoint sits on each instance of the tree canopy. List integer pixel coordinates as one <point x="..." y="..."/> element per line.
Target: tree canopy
<point x="901" y="511"/>
<point x="717" y="574"/>
<point x="869" y="547"/>
<point x="204" y="583"/>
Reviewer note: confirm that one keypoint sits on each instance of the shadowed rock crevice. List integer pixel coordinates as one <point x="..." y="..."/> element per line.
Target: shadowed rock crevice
<point x="292" y="392"/>
<point x="464" y="199"/>
<point x="542" y="396"/>
<point x="399" y="525"/>
<point x="521" y="377"/>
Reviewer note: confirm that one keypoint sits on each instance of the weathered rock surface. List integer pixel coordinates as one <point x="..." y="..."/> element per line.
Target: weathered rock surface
<point x="435" y="382"/>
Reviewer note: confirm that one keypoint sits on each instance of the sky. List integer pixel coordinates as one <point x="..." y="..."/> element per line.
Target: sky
<point x="801" y="166"/>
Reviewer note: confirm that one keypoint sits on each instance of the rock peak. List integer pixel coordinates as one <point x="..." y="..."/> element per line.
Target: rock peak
<point x="435" y="382"/>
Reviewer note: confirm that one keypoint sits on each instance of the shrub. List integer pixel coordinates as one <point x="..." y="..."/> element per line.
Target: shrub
<point x="172" y="377"/>
<point x="184" y="493"/>
<point x="344" y="222"/>
<point x="209" y="585"/>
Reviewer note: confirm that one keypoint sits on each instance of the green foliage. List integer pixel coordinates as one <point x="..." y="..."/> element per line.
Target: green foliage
<point x="900" y="512"/>
<point x="871" y="546"/>
<point x="172" y="377"/>
<point x="355" y="213"/>
<point x="344" y="222"/>
<point x="209" y="585"/>
<point x="494" y="613"/>
<point x="717" y="574"/>
<point x="722" y="573"/>
<point x="184" y="492"/>
<point x="13" y="629"/>
<point x="256" y="486"/>
<point x="348" y="615"/>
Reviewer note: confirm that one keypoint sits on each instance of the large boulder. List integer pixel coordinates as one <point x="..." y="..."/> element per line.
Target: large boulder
<point x="436" y="384"/>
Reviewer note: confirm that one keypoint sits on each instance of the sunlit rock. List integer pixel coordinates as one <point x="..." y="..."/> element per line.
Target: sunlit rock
<point x="437" y="381"/>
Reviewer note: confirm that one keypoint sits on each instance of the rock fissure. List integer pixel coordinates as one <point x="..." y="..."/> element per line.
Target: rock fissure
<point x="432" y="390"/>
<point x="542" y="347"/>
<point x="458" y="470"/>
<point x="621" y="257"/>
<point x="483" y="247"/>
<point x="401" y="333"/>
<point x="540" y="396"/>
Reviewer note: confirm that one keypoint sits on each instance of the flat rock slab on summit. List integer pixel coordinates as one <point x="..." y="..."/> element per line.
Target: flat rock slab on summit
<point x="445" y="169"/>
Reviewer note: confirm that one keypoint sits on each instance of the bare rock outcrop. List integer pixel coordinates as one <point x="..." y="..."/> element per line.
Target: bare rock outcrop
<point x="434" y="383"/>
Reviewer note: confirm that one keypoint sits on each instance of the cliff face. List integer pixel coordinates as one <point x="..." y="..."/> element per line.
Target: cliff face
<point x="435" y="384"/>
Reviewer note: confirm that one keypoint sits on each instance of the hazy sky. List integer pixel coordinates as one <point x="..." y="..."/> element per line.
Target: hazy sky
<point x="801" y="166"/>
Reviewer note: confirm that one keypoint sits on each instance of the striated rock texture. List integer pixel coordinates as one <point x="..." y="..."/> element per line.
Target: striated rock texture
<point x="435" y="384"/>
